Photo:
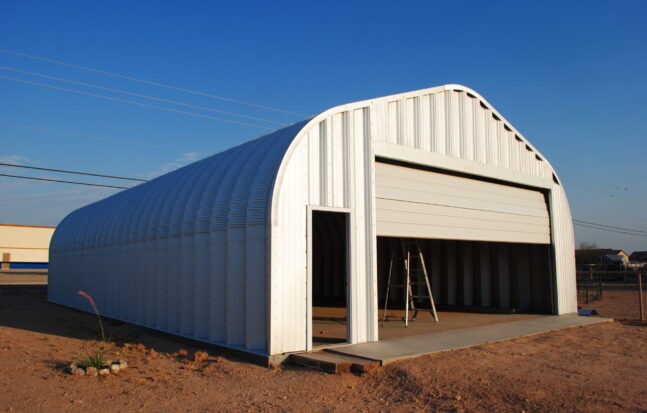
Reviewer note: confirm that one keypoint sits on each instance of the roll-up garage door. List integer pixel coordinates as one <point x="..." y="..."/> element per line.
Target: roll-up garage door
<point x="421" y="204"/>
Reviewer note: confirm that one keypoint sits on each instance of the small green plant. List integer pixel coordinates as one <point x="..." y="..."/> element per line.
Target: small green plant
<point x="96" y="311"/>
<point x="96" y="359"/>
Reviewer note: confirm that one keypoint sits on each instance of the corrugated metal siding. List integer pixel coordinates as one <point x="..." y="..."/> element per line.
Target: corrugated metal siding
<point x="185" y="253"/>
<point x="563" y="244"/>
<point x="475" y="274"/>
<point x="455" y="123"/>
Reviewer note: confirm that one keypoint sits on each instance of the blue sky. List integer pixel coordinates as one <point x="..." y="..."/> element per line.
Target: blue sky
<point x="571" y="76"/>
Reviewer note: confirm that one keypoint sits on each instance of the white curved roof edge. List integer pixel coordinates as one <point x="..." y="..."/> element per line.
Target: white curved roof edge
<point x="367" y="102"/>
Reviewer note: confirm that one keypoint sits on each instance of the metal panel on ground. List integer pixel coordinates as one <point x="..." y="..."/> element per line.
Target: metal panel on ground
<point x="423" y="204"/>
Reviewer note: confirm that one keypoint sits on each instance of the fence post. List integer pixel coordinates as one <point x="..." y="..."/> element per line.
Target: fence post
<point x="588" y="281"/>
<point x="640" y="296"/>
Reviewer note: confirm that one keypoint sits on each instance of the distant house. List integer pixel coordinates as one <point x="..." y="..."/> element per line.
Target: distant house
<point x="638" y="257"/>
<point x="605" y="257"/>
<point x="24" y="246"/>
<point x="638" y="260"/>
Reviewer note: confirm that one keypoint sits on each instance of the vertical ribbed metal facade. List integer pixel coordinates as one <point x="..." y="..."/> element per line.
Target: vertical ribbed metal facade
<point x="219" y="250"/>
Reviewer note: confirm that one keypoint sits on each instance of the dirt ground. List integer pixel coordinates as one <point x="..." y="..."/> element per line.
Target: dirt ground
<point x="597" y="368"/>
<point x="618" y="301"/>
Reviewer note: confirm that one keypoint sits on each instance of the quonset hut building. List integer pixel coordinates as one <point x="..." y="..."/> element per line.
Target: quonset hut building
<point x="238" y="248"/>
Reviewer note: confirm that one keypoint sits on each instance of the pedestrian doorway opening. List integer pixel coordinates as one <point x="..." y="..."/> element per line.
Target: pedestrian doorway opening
<point x="330" y="269"/>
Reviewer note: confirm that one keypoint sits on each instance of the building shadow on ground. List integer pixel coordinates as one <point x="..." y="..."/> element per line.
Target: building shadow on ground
<point x="27" y="308"/>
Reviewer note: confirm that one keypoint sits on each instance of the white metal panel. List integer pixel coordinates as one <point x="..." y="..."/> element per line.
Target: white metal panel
<point x="422" y="204"/>
<point x="288" y="280"/>
<point x="564" y="251"/>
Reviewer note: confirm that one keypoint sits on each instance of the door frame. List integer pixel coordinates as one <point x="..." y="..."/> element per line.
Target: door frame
<point x="350" y="273"/>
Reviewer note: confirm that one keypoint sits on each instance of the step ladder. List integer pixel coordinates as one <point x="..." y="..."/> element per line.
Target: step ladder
<point x="414" y="273"/>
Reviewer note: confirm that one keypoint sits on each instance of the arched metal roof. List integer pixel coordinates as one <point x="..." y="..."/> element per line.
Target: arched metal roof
<point x="230" y="189"/>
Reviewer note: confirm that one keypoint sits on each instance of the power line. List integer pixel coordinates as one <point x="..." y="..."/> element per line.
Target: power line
<point x="72" y="172"/>
<point x="61" y="181"/>
<point x="599" y="227"/>
<point x="102" y="138"/>
<point x="609" y="230"/>
<point x="134" y="79"/>
<point x="131" y="102"/>
<point x="124" y="92"/>
<point x="609" y="226"/>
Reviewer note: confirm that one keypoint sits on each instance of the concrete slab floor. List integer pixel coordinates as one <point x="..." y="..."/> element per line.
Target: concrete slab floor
<point x="394" y="349"/>
<point x="329" y="326"/>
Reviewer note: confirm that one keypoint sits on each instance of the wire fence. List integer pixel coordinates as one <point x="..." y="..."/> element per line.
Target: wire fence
<point x="616" y="294"/>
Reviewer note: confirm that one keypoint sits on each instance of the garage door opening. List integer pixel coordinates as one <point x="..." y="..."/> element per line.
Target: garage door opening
<point x="472" y="282"/>
<point x="330" y="257"/>
<point x="486" y="243"/>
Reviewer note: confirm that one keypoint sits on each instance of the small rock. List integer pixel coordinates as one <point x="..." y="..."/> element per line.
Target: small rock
<point x="74" y="370"/>
<point x="91" y="371"/>
<point x="122" y="364"/>
<point x="114" y="368"/>
<point x="77" y="371"/>
<point x="104" y="371"/>
<point x="458" y="397"/>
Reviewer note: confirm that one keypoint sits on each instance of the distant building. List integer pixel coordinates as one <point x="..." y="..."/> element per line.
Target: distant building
<point x="25" y="246"/>
<point x="605" y="257"/>
<point x="638" y="259"/>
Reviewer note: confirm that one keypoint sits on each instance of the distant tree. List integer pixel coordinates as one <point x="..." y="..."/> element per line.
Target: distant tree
<point x="588" y="245"/>
<point x="585" y="254"/>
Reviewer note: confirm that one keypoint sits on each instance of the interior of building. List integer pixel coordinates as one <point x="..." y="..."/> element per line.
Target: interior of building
<point x="472" y="282"/>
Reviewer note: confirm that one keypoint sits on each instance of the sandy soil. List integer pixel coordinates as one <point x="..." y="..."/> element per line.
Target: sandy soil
<point x="598" y="368"/>
<point x="619" y="302"/>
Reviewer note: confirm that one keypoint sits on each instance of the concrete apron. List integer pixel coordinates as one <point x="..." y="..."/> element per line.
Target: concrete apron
<point x="388" y="351"/>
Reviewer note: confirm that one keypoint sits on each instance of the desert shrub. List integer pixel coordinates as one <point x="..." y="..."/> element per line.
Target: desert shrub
<point x="96" y="359"/>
